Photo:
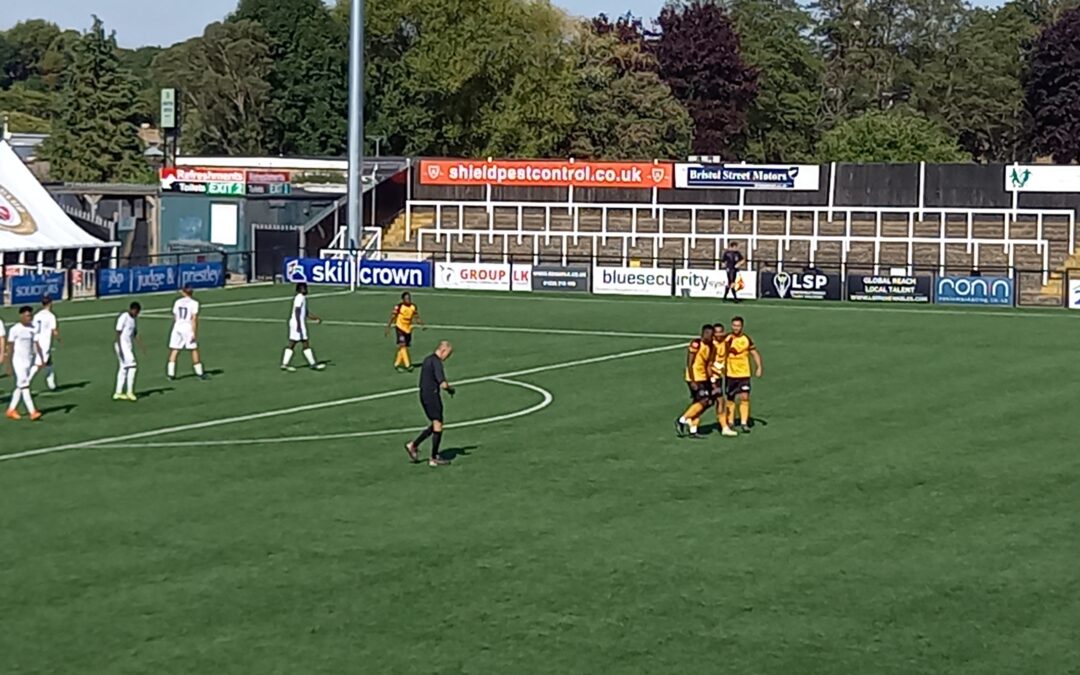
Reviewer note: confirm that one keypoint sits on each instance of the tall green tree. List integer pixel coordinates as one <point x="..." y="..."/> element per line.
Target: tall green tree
<point x="1052" y="89"/>
<point x="94" y="137"/>
<point x="29" y="41"/>
<point x="223" y="78"/>
<point x="623" y="109"/>
<point x="783" y="121"/>
<point x="309" y="77"/>
<point x="893" y="136"/>
<point x="973" y="86"/>
<point x="467" y="77"/>
<point x="700" y="58"/>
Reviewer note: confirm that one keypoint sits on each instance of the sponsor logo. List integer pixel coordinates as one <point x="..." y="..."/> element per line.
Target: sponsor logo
<point x="877" y="288"/>
<point x="546" y="173"/>
<point x="558" y="278"/>
<point x="14" y="217"/>
<point x="1074" y="294"/>
<point x="153" y="279"/>
<point x="801" y="286"/>
<point x="484" y="276"/>
<point x="202" y="275"/>
<point x="319" y="271"/>
<point x="1018" y="177"/>
<point x="748" y="176"/>
<point x="407" y="274"/>
<point x="974" y="290"/>
<point x="28" y="288"/>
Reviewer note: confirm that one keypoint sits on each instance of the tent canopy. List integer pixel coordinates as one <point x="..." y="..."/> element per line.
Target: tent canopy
<point x="30" y="219"/>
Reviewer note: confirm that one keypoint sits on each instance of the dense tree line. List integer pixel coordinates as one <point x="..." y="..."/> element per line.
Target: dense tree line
<point x="761" y="80"/>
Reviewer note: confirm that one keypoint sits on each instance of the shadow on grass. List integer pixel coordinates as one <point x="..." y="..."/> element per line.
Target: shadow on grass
<point x="450" y="454"/>
<point x="65" y="409"/>
<point x="68" y="387"/>
<point x="159" y="391"/>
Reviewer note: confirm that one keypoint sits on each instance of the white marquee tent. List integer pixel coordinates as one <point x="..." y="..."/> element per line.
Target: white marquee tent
<point x="30" y="219"/>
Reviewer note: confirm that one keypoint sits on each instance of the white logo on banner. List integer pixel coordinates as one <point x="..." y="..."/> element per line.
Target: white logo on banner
<point x="782" y="284"/>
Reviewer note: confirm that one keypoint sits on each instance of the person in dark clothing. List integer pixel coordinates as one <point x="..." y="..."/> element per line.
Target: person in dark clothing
<point x="732" y="258"/>
<point x="432" y="384"/>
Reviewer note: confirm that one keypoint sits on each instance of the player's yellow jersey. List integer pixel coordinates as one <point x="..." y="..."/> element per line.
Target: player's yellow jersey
<point x="403" y="317"/>
<point x="738" y="355"/>
<point x="719" y="357"/>
<point x="701" y="363"/>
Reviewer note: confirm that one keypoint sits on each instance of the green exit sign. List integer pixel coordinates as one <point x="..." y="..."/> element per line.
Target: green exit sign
<point x="225" y="189"/>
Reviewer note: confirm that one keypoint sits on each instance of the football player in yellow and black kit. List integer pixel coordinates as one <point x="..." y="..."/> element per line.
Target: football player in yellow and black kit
<point x="698" y="375"/>
<point x="719" y="366"/>
<point x="740" y="348"/>
<point x="402" y="318"/>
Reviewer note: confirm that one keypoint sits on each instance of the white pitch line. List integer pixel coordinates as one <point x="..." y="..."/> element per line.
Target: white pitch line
<point x="823" y="305"/>
<point x="230" y="303"/>
<point x="482" y="329"/>
<point x="325" y="404"/>
<point x="548" y="397"/>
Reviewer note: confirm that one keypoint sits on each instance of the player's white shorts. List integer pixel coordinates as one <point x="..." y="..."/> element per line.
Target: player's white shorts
<point x="46" y="354"/>
<point x="182" y="338"/>
<point x="125" y="356"/>
<point x="21" y="370"/>
<point x="297" y="333"/>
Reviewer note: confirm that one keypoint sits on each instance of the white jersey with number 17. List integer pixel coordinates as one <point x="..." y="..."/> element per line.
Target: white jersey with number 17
<point x="184" y="311"/>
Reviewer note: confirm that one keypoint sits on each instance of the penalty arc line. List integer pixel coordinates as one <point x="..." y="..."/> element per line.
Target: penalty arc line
<point x="548" y="398"/>
<point x="206" y="424"/>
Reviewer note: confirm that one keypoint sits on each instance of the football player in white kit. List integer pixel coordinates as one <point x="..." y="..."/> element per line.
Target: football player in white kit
<point x="298" y="331"/>
<point x="185" y="332"/>
<point x="127" y="334"/>
<point x="22" y="351"/>
<point x="45" y="331"/>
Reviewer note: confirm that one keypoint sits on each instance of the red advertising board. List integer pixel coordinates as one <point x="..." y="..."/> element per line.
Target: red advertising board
<point x="545" y="173"/>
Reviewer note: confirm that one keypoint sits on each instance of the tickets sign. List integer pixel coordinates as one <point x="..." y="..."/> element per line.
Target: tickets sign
<point x="546" y="173"/>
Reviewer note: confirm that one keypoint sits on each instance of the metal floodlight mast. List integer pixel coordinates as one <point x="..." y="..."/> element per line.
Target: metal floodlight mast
<point x="356" y="122"/>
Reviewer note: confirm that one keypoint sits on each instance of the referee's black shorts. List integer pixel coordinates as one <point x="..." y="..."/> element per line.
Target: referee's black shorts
<point x="432" y="405"/>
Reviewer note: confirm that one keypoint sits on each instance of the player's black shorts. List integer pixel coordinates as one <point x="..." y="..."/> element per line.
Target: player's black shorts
<point x="732" y="276"/>
<point x="700" y="391"/>
<point x="432" y="405"/>
<point x="736" y="386"/>
<point x="403" y="339"/>
<point x="718" y="388"/>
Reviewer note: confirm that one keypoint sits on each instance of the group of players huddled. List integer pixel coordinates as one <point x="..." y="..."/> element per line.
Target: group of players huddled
<point x="718" y="374"/>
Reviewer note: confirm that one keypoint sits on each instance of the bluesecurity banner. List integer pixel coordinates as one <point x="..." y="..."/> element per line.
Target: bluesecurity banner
<point x="29" y="288"/>
<point x="202" y="275"/>
<point x="392" y="273"/>
<point x="974" y="291"/>
<point x="319" y="271"/>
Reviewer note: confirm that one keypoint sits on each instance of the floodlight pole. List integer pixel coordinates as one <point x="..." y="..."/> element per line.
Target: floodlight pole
<point x="356" y="122"/>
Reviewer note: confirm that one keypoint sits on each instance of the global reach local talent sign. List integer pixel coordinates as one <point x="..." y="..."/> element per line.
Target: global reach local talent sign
<point x="483" y="276"/>
<point x="801" y="286"/>
<point x="213" y="182"/>
<point x="953" y="290"/>
<point x="799" y="177"/>
<point x="888" y="288"/>
<point x="1074" y="294"/>
<point x="545" y="173"/>
<point x="658" y="282"/>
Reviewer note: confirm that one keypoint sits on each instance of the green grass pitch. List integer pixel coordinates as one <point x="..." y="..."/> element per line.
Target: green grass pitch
<point x="906" y="503"/>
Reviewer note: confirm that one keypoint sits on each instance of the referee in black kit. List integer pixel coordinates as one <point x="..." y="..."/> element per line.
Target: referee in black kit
<point x="732" y="259"/>
<point x="432" y="383"/>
